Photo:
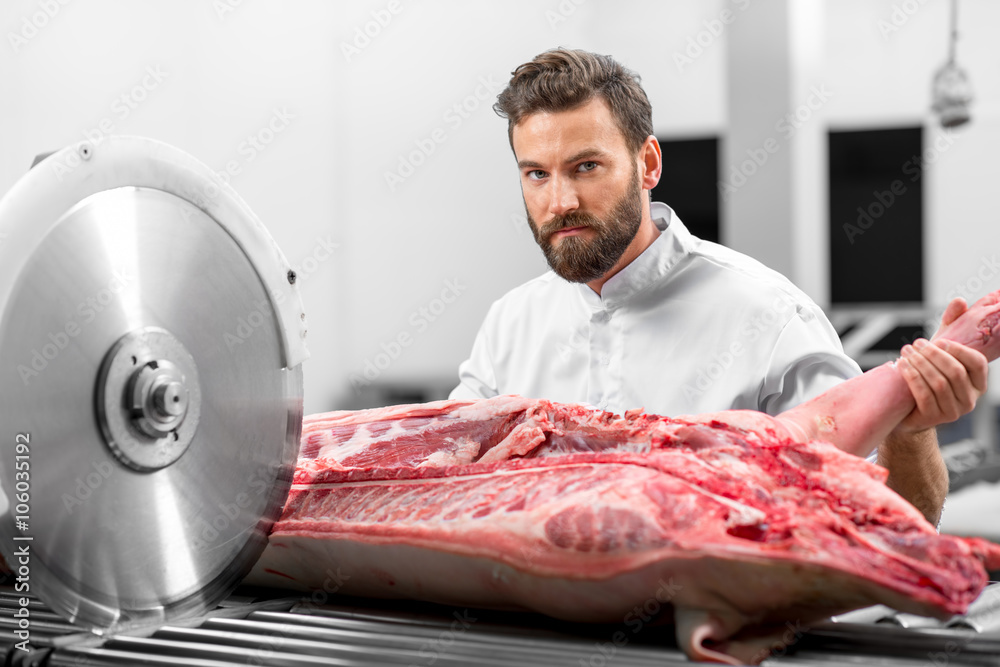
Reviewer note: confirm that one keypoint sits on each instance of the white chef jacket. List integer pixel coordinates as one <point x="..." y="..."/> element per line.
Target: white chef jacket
<point x="688" y="327"/>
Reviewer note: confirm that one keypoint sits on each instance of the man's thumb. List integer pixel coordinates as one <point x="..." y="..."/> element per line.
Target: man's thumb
<point x="953" y="311"/>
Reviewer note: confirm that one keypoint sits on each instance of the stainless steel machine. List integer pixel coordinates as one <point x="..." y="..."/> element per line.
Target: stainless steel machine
<point x="151" y="347"/>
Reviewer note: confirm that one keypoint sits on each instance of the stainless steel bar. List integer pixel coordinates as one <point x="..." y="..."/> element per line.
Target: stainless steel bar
<point x="526" y="625"/>
<point x="275" y="638"/>
<point x="41" y="626"/>
<point x="983" y="614"/>
<point x="100" y="657"/>
<point x="872" y="614"/>
<point x="33" y="602"/>
<point x="817" y="659"/>
<point x="78" y="637"/>
<point x="911" y="621"/>
<point x="41" y="614"/>
<point x="881" y="639"/>
<point x="433" y="647"/>
<point x="481" y="636"/>
<point x="403" y="628"/>
<point x="217" y="650"/>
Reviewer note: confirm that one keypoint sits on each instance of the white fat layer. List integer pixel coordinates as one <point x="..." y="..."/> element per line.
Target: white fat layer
<point x="309" y="486"/>
<point x="490" y="408"/>
<point x="462" y="451"/>
<point x="362" y="439"/>
<point x="744" y="514"/>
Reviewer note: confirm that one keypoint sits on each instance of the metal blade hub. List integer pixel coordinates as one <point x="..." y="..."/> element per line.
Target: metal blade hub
<point x="148" y="399"/>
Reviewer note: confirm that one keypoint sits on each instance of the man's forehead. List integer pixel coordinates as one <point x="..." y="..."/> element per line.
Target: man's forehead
<point x="588" y="126"/>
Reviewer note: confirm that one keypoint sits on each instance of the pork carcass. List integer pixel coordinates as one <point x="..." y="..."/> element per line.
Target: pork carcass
<point x="742" y="522"/>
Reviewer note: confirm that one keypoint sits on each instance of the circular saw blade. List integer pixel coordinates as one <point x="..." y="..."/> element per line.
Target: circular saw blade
<point x="151" y="342"/>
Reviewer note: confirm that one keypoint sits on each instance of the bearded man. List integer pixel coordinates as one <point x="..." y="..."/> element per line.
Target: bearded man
<point x="638" y="313"/>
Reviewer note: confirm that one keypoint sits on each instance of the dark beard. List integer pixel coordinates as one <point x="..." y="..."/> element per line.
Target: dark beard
<point x="580" y="260"/>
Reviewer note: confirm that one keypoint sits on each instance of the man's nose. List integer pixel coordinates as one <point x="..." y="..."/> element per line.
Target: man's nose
<point x="562" y="197"/>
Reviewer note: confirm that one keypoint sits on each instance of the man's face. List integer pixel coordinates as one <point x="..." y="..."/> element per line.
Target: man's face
<point x="581" y="188"/>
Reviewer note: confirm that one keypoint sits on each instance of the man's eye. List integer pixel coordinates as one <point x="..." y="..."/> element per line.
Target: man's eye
<point x="536" y="174"/>
<point x="588" y="166"/>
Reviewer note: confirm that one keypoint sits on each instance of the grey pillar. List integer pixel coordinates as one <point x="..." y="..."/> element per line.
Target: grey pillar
<point x="774" y="157"/>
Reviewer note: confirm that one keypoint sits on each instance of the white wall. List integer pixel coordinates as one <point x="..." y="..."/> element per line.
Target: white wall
<point x="882" y="55"/>
<point x="458" y="217"/>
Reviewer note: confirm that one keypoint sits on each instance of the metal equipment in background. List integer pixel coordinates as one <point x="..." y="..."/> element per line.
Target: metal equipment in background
<point x="950" y="89"/>
<point x="151" y="348"/>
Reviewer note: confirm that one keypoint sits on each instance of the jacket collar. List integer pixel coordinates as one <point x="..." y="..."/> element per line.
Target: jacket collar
<point x="650" y="267"/>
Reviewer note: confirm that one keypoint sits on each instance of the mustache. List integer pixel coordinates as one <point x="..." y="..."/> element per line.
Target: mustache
<point x="568" y="221"/>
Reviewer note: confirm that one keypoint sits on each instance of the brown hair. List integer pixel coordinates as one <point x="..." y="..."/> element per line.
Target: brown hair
<point x="563" y="79"/>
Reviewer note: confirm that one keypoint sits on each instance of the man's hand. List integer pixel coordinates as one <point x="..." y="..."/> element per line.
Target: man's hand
<point x="946" y="378"/>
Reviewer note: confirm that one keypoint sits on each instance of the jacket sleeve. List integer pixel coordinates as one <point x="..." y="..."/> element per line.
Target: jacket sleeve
<point x="476" y="376"/>
<point x="807" y="359"/>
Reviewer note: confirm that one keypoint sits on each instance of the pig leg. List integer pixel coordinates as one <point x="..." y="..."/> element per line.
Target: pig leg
<point x="858" y="414"/>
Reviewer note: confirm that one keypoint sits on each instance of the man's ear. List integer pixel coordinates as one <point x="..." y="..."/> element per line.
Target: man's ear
<point x="651" y="160"/>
